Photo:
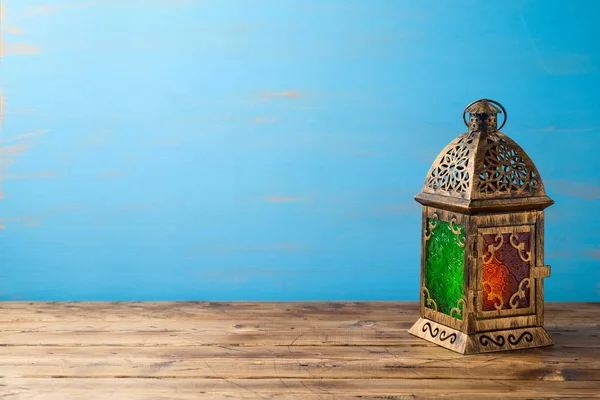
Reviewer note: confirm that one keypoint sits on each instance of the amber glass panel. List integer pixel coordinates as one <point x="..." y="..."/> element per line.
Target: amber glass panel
<point x="444" y="267"/>
<point x="507" y="259"/>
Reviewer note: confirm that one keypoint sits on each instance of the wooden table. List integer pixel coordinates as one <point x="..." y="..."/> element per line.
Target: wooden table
<point x="313" y="350"/>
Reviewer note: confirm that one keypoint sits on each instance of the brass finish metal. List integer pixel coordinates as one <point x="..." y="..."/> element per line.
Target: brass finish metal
<point x="485" y="181"/>
<point x="541" y="272"/>
<point x="483" y="107"/>
<point x="429" y="302"/>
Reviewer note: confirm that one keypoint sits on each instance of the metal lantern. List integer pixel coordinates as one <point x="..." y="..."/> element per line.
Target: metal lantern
<point x="482" y="252"/>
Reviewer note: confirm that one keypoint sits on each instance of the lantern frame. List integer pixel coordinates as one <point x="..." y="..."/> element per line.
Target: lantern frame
<point x="513" y="209"/>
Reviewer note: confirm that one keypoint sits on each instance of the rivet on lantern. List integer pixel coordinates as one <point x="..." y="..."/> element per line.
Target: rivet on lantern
<point x="482" y="252"/>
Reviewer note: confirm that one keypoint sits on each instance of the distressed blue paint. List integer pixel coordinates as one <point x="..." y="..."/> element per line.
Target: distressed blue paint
<point x="165" y="98"/>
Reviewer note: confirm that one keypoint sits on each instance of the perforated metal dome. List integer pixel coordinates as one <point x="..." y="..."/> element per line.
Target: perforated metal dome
<point x="483" y="169"/>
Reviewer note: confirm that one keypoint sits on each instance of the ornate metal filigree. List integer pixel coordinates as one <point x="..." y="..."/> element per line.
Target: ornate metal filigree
<point x="506" y="271"/>
<point x="520" y="294"/>
<point x="505" y="169"/>
<point x="431" y="226"/>
<point x="458" y="310"/>
<point x="450" y="173"/>
<point x="483" y="163"/>
<point x="457" y="232"/>
<point x="514" y="242"/>
<point x="499" y="239"/>
<point x="467" y="138"/>
<point x="429" y="302"/>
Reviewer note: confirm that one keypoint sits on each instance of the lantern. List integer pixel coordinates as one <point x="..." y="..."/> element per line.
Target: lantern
<point x="482" y="252"/>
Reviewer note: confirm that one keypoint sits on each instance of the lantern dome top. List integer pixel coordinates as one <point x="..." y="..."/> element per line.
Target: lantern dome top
<point x="483" y="106"/>
<point x="484" y="170"/>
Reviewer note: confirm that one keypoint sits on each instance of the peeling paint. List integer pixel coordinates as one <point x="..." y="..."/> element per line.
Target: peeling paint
<point x="291" y="94"/>
<point x="15" y="149"/>
<point x="559" y="254"/>
<point x="593" y="253"/>
<point x="32" y="175"/>
<point x="38" y="219"/>
<point x="8" y="154"/>
<point x="28" y="135"/>
<point x="268" y="147"/>
<point x="32" y="11"/>
<point x="21" y="49"/>
<point x="264" y="120"/>
<point x="13" y="30"/>
<point x="31" y="221"/>
<point x="587" y="191"/>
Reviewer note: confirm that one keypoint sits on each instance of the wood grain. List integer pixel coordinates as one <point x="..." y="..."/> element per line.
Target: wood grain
<point x="308" y="350"/>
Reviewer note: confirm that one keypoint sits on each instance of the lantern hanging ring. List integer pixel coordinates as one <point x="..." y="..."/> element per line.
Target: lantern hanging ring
<point x="489" y="101"/>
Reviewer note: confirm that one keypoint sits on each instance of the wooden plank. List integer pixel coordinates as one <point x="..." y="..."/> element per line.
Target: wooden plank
<point x="304" y="362"/>
<point x="400" y="311"/>
<point x="266" y="336"/>
<point x="186" y="389"/>
<point x="297" y="314"/>
<point x="307" y="350"/>
<point x="177" y="324"/>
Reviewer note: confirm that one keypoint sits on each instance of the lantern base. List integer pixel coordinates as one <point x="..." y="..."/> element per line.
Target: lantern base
<point x="480" y="342"/>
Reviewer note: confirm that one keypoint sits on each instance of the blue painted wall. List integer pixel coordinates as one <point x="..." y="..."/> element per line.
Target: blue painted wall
<point x="270" y="150"/>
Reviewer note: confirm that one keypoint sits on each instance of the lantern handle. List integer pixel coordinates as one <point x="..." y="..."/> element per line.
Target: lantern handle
<point x="489" y="101"/>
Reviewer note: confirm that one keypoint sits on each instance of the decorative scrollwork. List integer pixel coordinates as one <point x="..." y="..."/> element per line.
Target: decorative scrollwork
<point x="450" y="172"/>
<point x="512" y="339"/>
<point x="514" y="242"/>
<point x="506" y="169"/>
<point x="432" y="332"/>
<point x="429" y="302"/>
<point x="485" y="340"/>
<point x="457" y="309"/>
<point x="519" y="294"/>
<point x="443" y="337"/>
<point x="457" y="232"/>
<point x="431" y="224"/>
<point x="500" y="341"/>
<point x="498" y="242"/>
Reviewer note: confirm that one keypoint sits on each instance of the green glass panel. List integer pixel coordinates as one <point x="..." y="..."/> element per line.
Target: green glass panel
<point x="444" y="267"/>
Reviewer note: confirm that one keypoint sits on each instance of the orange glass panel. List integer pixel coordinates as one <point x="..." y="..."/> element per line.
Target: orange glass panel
<point x="506" y="271"/>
